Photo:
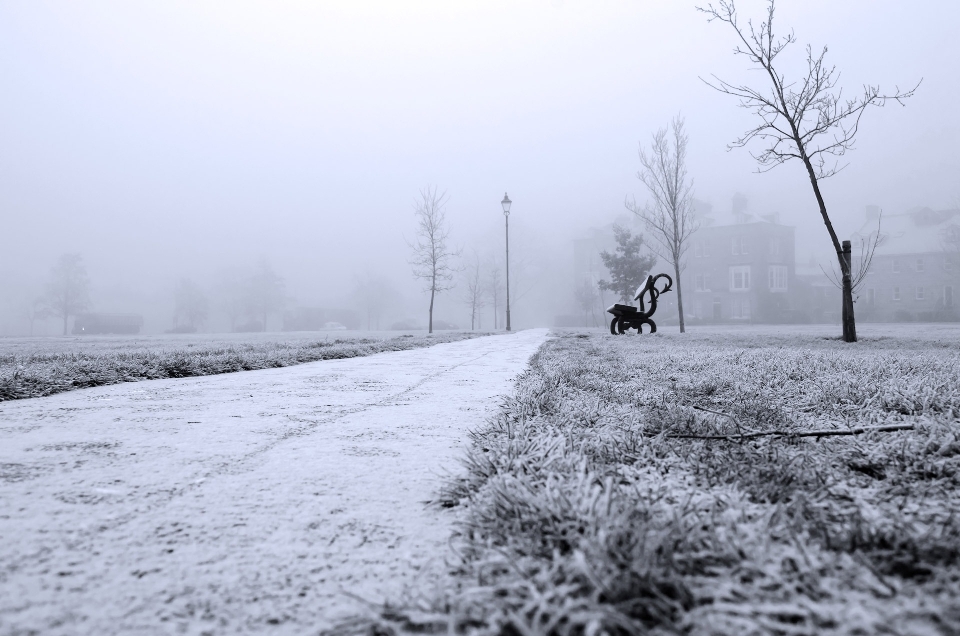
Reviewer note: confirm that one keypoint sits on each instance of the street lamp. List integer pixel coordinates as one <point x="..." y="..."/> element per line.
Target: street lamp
<point x="506" y="217"/>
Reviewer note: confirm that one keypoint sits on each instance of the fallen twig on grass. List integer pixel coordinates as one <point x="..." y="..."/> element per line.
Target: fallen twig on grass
<point x="727" y="415"/>
<point x="849" y="431"/>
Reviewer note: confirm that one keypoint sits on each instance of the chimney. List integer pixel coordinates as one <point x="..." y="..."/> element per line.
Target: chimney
<point x="873" y="212"/>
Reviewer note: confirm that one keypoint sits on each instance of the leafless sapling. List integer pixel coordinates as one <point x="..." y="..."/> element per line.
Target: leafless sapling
<point x="807" y="119"/>
<point x="668" y="216"/>
<point x="475" y="295"/>
<point x="495" y="289"/>
<point x="433" y="256"/>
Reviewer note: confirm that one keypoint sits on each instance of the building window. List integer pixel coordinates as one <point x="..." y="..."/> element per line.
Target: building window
<point x="919" y="293"/>
<point x="896" y="293"/>
<point x="741" y="308"/>
<point x="896" y="266"/>
<point x="947" y="263"/>
<point x="740" y="278"/>
<point x="948" y="296"/>
<point x="738" y="245"/>
<point x="920" y="264"/>
<point x="777" y="278"/>
<point x="697" y="252"/>
<point x="703" y="282"/>
<point x="775" y="248"/>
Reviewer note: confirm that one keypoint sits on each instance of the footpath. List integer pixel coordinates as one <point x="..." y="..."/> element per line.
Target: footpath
<point x="256" y="502"/>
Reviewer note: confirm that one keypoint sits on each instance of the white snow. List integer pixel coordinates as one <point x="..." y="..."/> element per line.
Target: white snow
<point x="249" y="502"/>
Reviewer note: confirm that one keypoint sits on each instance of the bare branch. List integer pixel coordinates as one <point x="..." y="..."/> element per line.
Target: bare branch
<point x="821" y="433"/>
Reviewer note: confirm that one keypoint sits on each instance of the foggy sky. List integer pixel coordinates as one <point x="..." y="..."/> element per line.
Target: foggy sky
<point x="168" y="139"/>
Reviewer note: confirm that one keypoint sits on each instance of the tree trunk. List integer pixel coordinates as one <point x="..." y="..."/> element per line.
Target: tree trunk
<point x="849" y="323"/>
<point x="676" y="270"/>
<point x="430" y="323"/>
<point x="66" y="317"/>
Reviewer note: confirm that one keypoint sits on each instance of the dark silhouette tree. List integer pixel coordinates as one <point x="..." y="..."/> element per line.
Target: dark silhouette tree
<point x="628" y="267"/>
<point x="68" y="292"/>
<point x="669" y="216"/>
<point x="807" y="119"/>
<point x="433" y="255"/>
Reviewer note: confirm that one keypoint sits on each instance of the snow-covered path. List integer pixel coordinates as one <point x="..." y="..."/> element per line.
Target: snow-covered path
<point x="237" y="503"/>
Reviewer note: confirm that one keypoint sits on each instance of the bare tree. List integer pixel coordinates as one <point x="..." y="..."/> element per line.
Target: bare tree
<point x="587" y="295"/>
<point x="432" y="254"/>
<point x="190" y="305"/>
<point x="669" y="218"/>
<point x="232" y="295"/>
<point x="33" y="310"/>
<point x="476" y="291"/>
<point x="807" y="119"/>
<point x="373" y="293"/>
<point x="495" y="289"/>
<point x="265" y="292"/>
<point x="68" y="292"/>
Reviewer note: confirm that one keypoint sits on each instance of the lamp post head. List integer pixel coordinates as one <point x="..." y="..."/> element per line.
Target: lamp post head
<point x="506" y="204"/>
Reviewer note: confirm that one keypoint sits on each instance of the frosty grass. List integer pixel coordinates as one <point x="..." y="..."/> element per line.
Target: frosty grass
<point x="579" y="515"/>
<point x="39" y="367"/>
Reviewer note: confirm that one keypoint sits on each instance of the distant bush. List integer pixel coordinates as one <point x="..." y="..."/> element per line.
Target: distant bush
<point x="39" y="374"/>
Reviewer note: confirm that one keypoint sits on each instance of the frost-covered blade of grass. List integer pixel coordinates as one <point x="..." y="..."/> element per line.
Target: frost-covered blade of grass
<point x="580" y="515"/>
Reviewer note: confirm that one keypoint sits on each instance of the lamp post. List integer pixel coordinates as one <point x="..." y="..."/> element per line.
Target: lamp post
<point x="506" y="217"/>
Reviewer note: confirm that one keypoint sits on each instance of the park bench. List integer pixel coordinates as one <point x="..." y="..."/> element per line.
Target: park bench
<point x="626" y="317"/>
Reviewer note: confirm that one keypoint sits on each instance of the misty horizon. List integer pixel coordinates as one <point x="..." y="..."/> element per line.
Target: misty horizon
<point x="179" y="140"/>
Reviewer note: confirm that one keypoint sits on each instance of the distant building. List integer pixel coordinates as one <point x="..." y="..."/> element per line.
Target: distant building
<point x="92" y="324"/>
<point x="915" y="271"/>
<point x="742" y="270"/>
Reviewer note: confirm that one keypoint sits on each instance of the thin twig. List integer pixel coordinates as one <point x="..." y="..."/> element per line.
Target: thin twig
<point x="849" y="431"/>
<point x="722" y="414"/>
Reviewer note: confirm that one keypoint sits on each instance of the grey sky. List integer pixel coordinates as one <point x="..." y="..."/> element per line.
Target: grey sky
<point x="179" y="136"/>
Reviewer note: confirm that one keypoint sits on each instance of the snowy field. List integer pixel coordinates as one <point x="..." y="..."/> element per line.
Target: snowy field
<point x="111" y="344"/>
<point x="38" y="367"/>
<point x="264" y="501"/>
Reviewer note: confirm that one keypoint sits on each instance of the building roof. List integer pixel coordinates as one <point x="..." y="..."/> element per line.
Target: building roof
<point x="917" y="231"/>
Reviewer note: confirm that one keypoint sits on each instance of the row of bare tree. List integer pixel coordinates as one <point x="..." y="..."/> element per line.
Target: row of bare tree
<point x="436" y="262"/>
<point x="250" y="295"/>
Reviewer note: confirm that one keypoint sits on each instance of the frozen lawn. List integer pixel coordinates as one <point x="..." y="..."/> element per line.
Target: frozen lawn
<point x="36" y="367"/>
<point x="582" y="512"/>
<point x="238" y="503"/>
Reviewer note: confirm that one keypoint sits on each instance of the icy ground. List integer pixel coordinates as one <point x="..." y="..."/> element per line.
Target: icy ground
<point x="251" y="502"/>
